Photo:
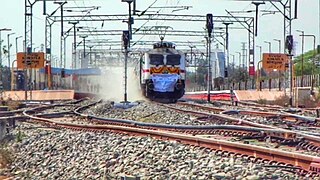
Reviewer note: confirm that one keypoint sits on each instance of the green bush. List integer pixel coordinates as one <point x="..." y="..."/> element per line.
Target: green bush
<point x="6" y="157"/>
<point x="281" y="100"/>
<point x="262" y="101"/>
<point x="20" y="135"/>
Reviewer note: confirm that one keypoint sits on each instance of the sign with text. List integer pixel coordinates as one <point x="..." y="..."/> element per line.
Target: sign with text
<point x="33" y="60"/>
<point x="274" y="61"/>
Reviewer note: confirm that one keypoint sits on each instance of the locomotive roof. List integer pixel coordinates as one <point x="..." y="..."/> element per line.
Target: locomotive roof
<point x="164" y="44"/>
<point x="164" y="47"/>
<point x="164" y="51"/>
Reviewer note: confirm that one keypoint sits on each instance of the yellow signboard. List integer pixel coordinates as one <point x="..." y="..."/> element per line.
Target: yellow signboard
<point x="34" y="60"/>
<point x="274" y="61"/>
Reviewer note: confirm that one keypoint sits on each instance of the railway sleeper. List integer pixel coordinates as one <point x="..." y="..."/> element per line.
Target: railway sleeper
<point x="289" y="143"/>
<point x="308" y="146"/>
<point x="312" y="148"/>
<point x="286" y="167"/>
<point x="223" y="153"/>
<point x="256" y="136"/>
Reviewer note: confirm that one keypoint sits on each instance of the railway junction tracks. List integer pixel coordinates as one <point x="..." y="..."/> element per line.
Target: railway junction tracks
<point x="301" y="163"/>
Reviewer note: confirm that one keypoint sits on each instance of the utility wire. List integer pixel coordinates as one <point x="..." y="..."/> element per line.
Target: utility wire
<point x="143" y="12"/>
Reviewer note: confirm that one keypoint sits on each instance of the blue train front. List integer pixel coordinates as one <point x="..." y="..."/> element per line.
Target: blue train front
<point x="162" y="73"/>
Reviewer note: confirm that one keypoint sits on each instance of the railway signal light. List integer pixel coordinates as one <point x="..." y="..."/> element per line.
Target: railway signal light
<point x="63" y="73"/>
<point x="125" y="39"/>
<point x="226" y="73"/>
<point x="289" y="43"/>
<point x="209" y="24"/>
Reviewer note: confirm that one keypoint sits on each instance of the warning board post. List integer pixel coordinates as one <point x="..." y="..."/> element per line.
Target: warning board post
<point x="33" y="60"/>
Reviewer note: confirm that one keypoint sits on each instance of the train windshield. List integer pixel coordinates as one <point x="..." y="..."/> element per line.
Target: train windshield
<point x="156" y="59"/>
<point x="173" y="59"/>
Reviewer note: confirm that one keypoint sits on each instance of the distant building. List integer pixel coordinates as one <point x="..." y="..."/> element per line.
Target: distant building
<point x="218" y="59"/>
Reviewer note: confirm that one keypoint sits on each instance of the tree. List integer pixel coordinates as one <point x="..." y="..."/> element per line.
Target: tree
<point x="238" y="74"/>
<point x="307" y="63"/>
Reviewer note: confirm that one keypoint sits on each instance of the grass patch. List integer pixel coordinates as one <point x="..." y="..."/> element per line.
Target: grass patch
<point x="13" y="105"/>
<point x="6" y="157"/>
<point x="304" y="102"/>
<point x="20" y="135"/>
<point x="281" y="101"/>
<point x="148" y="120"/>
<point x="262" y="101"/>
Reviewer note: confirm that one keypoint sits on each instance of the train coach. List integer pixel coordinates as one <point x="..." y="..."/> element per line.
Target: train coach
<point x="81" y="80"/>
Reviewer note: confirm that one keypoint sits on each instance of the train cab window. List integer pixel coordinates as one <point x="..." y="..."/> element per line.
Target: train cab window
<point x="156" y="59"/>
<point x="173" y="59"/>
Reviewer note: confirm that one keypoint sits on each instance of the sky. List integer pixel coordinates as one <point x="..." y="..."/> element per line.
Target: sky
<point x="270" y="26"/>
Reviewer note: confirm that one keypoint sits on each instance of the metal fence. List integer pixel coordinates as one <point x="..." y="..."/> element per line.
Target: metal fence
<point x="274" y="83"/>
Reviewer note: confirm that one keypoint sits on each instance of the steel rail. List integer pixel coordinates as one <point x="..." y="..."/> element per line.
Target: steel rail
<point x="282" y="115"/>
<point x="239" y="131"/>
<point x="12" y="115"/>
<point x="280" y="135"/>
<point x="314" y="140"/>
<point x="309" y="164"/>
<point x="275" y="132"/>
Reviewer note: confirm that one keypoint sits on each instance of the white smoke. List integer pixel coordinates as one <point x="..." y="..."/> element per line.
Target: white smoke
<point x="112" y="84"/>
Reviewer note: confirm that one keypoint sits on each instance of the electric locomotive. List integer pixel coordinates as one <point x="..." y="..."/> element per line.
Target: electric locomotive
<point x="163" y="72"/>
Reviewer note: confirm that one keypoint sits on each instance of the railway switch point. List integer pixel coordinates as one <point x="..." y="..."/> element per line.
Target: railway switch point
<point x="125" y="105"/>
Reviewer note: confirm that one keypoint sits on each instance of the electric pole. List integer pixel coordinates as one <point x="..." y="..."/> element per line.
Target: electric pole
<point x="257" y="15"/>
<point x="209" y="26"/>
<point x="227" y="49"/>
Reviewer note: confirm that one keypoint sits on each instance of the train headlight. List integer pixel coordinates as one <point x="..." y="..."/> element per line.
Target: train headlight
<point x="150" y="86"/>
<point x="178" y="86"/>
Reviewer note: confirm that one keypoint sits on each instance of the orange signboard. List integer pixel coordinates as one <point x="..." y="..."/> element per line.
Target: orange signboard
<point x="34" y="60"/>
<point x="274" y="61"/>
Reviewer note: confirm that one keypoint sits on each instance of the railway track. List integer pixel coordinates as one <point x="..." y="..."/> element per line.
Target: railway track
<point x="10" y="113"/>
<point x="18" y="115"/>
<point x="299" y="119"/>
<point x="247" y="129"/>
<point x="272" y="108"/>
<point x="312" y="142"/>
<point x="305" y="163"/>
<point x="289" y="118"/>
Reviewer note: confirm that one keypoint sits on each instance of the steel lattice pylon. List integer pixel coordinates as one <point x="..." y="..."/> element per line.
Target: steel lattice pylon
<point x="28" y="24"/>
<point x="145" y="32"/>
<point x="249" y="25"/>
<point x="246" y="23"/>
<point x="148" y="43"/>
<point x="287" y="18"/>
<point x="153" y="17"/>
<point x="287" y="30"/>
<point x="48" y="39"/>
<point x="28" y="40"/>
